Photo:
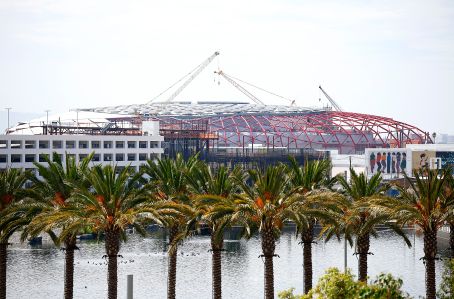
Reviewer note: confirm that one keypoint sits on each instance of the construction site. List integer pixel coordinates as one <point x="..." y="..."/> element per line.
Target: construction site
<point x="246" y="131"/>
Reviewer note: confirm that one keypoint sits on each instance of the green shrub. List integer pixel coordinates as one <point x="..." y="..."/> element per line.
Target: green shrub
<point x="288" y="294"/>
<point x="446" y="290"/>
<point x="335" y="284"/>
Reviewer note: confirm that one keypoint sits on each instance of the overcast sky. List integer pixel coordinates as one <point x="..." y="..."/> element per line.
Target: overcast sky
<point x="389" y="58"/>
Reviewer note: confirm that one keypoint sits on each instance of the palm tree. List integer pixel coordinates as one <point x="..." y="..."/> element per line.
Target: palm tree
<point x="46" y="197"/>
<point x="168" y="182"/>
<point x="304" y="179"/>
<point x="113" y="202"/>
<point x="426" y="205"/>
<point x="12" y="182"/>
<point x="356" y="217"/>
<point x="214" y="205"/>
<point x="265" y="205"/>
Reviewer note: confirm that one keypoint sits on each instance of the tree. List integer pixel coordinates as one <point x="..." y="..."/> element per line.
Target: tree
<point x="114" y="202"/>
<point x="426" y="205"/>
<point x="356" y="219"/>
<point x="264" y="205"/>
<point x="168" y="182"/>
<point x="214" y="204"/>
<point x="12" y="182"/>
<point x="46" y="197"/>
<point x="304" y="179"/>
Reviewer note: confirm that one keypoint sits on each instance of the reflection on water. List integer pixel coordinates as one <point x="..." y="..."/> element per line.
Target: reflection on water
<point x="38" y="272"/>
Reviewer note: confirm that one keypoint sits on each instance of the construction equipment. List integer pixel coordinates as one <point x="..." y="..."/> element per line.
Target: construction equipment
<point x="239" y="87"/>
<point x="335" y="105"/>
<point x="192" y="74"/>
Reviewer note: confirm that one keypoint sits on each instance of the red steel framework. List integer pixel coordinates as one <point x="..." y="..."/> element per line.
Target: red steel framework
<point x="345" y="131"/>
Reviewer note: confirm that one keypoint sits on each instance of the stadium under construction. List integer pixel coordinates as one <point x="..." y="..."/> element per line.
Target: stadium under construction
<point x="252" y="132"/>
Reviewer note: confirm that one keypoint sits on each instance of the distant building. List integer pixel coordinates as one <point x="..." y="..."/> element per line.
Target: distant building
<point x="124" y="140"/>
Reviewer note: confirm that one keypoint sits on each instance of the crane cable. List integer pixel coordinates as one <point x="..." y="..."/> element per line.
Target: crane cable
<point x="272" y="93"/>
<point x="181" y="79"/>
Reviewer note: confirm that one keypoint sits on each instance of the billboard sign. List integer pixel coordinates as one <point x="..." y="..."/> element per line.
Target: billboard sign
<point x="390" y="162"/>
<point x="446" y="159"/>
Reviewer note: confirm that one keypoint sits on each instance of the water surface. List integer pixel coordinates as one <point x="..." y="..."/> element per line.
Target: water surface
<point x="38" y="272"/>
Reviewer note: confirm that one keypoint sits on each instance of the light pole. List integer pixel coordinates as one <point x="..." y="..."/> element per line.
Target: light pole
<point x="8" y="109"/>
<point x="345" y="235"/>
<point x="47" y="116"/>
<point x="77" y="118"/>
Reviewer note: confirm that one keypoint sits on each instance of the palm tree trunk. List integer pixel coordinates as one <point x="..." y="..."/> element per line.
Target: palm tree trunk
<point x="70" y="245"/>
<point x="451" y="235"/>
<point x="363" y="245"/>
<point x="268" y="247"/>
<point x="172" y="278"/>
<point x="307" y="237"/>
<point x="112" y="249"/>
<point x="3" y="252"/>
<point x="430" y="251"/>
<point x="216" y="248"/>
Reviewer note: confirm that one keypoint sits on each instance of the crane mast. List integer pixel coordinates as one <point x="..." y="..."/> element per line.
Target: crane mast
<point x="335" y="105"/>
<point x="239" y="87"/>
<point x="193" y="74"/>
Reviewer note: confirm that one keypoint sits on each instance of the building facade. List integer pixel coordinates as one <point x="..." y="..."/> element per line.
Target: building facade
<point x="20" y="151"/>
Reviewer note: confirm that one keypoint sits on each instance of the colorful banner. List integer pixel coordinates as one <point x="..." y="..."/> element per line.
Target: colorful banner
<point x="423" y="159"/>
<point x="390" y="162"/>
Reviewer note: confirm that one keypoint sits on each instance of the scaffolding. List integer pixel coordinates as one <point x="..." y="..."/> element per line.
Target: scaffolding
<point x="125" y="126"/>
<point x="187" y="137"/>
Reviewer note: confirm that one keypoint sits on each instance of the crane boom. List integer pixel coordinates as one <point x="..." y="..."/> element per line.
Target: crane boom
<point x="239" y="87"/>
<point x="335" y="105"/>
<point x="193" y="74"/>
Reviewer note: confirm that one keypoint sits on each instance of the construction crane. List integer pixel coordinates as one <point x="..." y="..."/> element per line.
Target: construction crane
<point x="239" y="87"/>
<point x="194" y="73"/>
<point x="335" y="105"/>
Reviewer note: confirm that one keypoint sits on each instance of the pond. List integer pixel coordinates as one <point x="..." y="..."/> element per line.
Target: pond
<point x="37" y="272"/>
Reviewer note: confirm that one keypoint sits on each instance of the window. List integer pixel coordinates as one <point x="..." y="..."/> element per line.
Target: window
<point x="120" y="144"/>
<point x="95" y="144"/>
<point x="43" y="144"/>
<point x="107" y="144"/>
<point x="3" y="158"/>
<point x="154" y="144"/>
<point x="16" y="158"/>
<point x="82" y="156"/>
<point x="30" y="144"/>
<point x="57" y="144"/>
<point x="96" y="158"/>
<point x="3" y="144"/>
<point x="154" y="156"/>
<point x="108" y="157"/>
<point x="131" y="157"/>
<point x="142" y="144"/>
<point x="119" y="157"/>
<point x="42" y="157"/>
<point x="83" y="144"/>
<point x="131" y="144"/>
<point x="142" y="157"/>
<point x="16" y="144"/>
<point x="29" y="158"/>
<point x="70" y="144"/>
